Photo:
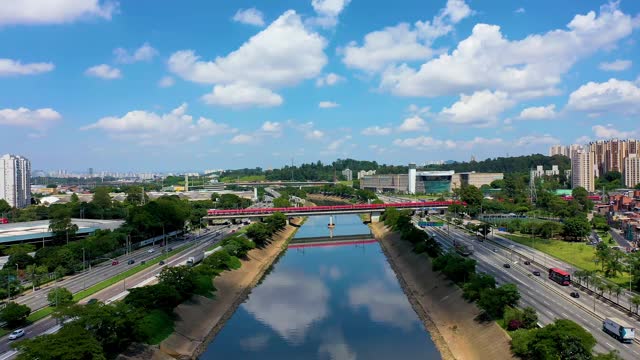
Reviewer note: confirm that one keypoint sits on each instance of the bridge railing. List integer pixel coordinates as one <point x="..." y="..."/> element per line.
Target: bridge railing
<point x="330" y="208"/>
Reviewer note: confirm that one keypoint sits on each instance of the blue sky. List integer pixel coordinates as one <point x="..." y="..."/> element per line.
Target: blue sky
<point x="157" y="86"/>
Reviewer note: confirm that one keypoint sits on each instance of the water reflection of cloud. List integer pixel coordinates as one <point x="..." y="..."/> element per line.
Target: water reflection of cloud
<point x="333" y="272"/>
<point x="256" y="342"/>
<point x="289" y="303"/>
<point x="334" y="347"/>
<point x="389" y="306"/>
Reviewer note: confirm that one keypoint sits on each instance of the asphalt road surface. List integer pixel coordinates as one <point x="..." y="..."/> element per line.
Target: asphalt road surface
<point x="47" y="325"/>
<point x="550" y="300"/>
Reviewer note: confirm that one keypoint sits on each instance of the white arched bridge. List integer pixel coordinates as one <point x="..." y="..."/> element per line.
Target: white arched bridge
<point x="373" y="209"/>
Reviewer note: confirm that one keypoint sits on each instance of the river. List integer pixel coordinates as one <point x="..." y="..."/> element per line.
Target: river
<point x="329" y="302"/>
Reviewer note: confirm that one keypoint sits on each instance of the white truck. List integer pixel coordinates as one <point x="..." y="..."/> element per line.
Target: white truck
<point x="193" y="260"/>
<point x="619" y="329"/>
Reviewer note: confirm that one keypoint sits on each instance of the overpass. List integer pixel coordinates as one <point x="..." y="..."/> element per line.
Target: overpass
<point x="373" y="209"/>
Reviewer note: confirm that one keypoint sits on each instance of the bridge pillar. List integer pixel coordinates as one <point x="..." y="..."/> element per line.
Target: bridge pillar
<point x="375" y="216"/>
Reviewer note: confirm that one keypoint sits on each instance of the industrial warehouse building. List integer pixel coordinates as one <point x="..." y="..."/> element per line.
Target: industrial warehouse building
<point x="426" y="182"/>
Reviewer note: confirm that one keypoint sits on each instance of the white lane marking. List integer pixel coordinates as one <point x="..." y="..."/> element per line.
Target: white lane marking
<point x="8" y="354"/>
<point x="611" y="346"/>
<point x="565" y="315"/>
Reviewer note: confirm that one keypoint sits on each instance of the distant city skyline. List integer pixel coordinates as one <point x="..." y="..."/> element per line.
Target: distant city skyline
<point x="412" y="81"/>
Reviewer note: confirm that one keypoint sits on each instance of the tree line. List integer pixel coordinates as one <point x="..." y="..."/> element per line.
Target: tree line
<point x="102" y="331"/>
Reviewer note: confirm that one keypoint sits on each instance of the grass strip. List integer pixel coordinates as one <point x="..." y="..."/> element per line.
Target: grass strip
<point x="578" y="254"/>
<point x="40" y="314"/>
<point x="108" y="282"/>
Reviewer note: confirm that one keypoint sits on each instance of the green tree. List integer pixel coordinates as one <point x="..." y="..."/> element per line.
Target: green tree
<point x="276" y="222"/>
<point x="259" y="233"/>
<point x="231" y="201"/>
<point x="4" y="206"/>
<point x="60" y="297"/>
<point x="473" y="288"/>
<point x="494" y="301"/>
<point x="136" y="195"/>
<point x="159" y="296"/>
<point x="611" y="355"/>
<point x="101" y="198"/>
<point x="182" y="278"/>
<point x="74" y="199"/>
<point x="60" y="222"/>
<point x="281" y="202"/>
<point x="580" y="195"/>
<point x="529" y="318"/>
<point x="14" y="314"/>
<point x="637" y="187"/>
<point x="70" y="343"/>
<point x="576" y="227"/>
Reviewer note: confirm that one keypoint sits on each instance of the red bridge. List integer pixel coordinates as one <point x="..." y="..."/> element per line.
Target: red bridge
<point x="326" y="210"/>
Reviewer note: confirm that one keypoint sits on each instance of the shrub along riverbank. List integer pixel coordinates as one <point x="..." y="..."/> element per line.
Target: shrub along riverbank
<point x="101" y="331"/>
<point x="563" y="339"/>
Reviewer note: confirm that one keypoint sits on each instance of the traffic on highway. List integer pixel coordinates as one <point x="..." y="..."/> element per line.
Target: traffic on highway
<point x="550" y="299"/>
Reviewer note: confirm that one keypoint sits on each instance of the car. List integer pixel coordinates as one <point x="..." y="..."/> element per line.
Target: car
<point x="527" y="262"/>
<point x="115" y="262"/>
<point x="505" y="265"/>
<point x="142" y="262"/>
<point x="92" y="301"/>
<point x="150" y="251"/>
<point x="131" y="261"/>
<point x="536" y="272"/>
<point x="16" y="334"/>
<point x="170" y="249"/>
<point x="575" y="294"/>
<point x="495" y="250"/>
<point x="161" y="262"/>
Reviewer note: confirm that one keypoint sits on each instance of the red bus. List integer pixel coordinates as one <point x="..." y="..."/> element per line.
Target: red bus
<point x="4" y="221"/>
<point x="560" y="276"/>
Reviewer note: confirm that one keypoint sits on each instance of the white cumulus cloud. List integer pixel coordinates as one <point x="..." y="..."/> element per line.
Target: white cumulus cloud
<point x="609" y="131"/>
<point x="39" y="119"/>
<point x="149" y="128"/>
<point x="250" y="16"/>
<point x="328" y="12"/>
<point x="526" y="68"/>
<point x="481" y="108"/>
<point x="614" y="95"/>
<point x="617" y="65"/>
<point x="404" y="42"/>
<point x="166" y="81"/>
<point x="241" y="139"/>
<point x="241" y="95"/>
<point x="413" y="123"/>
<point x="376" y="130"/>
<point x="329" y="80"/>
<point x="271" y="127"/>
<point x="538" y="112"/>
<point x="104" y="71"/>
<point x="262" y="63"/>
<point x="9" y="67"/>
<point x="144" y="53"/>
<point x="39" y="12"/>
<point x="327" y="104"/>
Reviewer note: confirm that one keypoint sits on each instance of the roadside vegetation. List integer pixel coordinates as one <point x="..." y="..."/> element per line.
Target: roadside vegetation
<point x="563" y="339"/>
<point x="146" y="313"/>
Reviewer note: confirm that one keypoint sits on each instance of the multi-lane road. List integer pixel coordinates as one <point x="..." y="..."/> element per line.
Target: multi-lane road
<point x="550" y="300"/>
<point x="116" y="292"/>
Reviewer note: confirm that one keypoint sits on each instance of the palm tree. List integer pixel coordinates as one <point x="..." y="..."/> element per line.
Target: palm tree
<point x="618" y="291"/>
<point x="635" y="301"/>
<point x="579" y="274"/>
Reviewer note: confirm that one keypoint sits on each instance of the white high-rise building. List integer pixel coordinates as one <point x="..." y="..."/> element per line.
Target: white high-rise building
<point x="632" y="170"/>
<point x="15" y="180"/>
<point x="582" y="170"/>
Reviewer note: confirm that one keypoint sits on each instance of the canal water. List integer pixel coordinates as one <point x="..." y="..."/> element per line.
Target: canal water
<point x="329" y="302"/>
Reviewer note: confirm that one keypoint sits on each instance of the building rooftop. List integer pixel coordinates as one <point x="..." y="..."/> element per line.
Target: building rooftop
<point x="33" y="230"/>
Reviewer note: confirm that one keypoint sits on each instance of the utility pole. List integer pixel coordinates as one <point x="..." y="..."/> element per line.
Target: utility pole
<point x="83" y="260"/>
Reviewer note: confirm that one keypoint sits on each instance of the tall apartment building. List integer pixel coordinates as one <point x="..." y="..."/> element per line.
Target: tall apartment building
<point x="559" y="150"/>
<point x="582" y="170"/>
<point x="632" y="170"/>
<point x="15" y="180"/>
<point x="610" y="155"/>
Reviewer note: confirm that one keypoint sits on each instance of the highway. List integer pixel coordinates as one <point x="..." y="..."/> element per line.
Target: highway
<point x="48" y="325"/>
<point x="76" y="283"/>
<point x="551" y="300"/>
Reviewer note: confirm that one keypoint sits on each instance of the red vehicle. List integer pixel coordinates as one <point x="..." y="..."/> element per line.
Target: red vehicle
<point x="560" y="276"/>
<point x="4" y="221"/>
<point x="115" y="262"/>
